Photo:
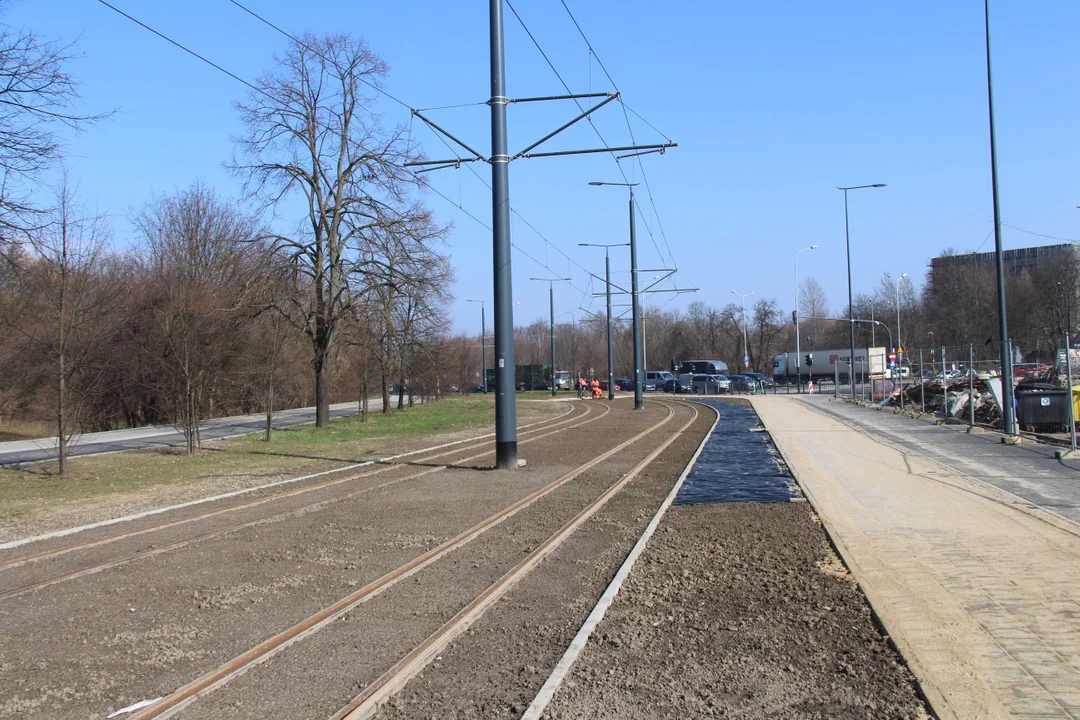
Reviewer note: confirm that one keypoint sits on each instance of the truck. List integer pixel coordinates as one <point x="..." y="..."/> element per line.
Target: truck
<point x="526" y="377"/>
<point x="869" y="362"/>
<point x="703" y="367"/>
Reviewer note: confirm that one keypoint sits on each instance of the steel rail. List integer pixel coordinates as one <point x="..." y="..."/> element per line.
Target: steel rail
<point x="306" y="507"/>
<point x="387" y="462"/>
<point x="367" y="703"/>
<point x="221" y="675"/>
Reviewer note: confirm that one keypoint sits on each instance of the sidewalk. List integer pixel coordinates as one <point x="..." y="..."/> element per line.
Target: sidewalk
<point x="977" y="589"/>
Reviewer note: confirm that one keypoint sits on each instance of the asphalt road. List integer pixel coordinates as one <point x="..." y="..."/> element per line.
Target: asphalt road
<point x="157" y="436"/>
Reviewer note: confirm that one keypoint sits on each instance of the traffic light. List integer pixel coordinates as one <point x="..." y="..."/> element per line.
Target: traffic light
<point x="809" y="359"/>
<point x="673" y="367"/>
<point x="795" y="317"/>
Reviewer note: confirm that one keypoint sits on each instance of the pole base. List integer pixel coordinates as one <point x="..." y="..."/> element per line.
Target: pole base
<point x="1067" y="454"/>
<point x="506" y="455"/>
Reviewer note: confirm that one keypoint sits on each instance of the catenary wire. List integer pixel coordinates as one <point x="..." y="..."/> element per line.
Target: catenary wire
<point x="422" y="181"/>
<point x="441" y="139"/>
<point x="641" y="165"/>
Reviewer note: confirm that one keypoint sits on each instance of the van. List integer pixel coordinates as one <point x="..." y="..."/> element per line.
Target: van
<point x="655" y="379"/>
<point x="705" y="384"/>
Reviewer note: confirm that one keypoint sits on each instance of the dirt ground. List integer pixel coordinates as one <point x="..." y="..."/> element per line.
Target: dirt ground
<point x="88" y="646"/>
<point x="738" y="610"/>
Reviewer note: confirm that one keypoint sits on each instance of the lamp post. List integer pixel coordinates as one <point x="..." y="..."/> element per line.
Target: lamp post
<point x="483" y="341"/>
<point x="851" y="309"/>
<point x="607" y="281"/>
<point x="798" y="353"/>
<point x="639" y="402"/>
<point x="551" y="304"/>
<point x="1003" y="325"/>
<point x="746" y="355"/>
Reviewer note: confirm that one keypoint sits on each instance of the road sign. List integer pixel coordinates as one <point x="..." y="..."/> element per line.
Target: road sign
<point x="892" y="357"/>
<point x="899" y="351"/>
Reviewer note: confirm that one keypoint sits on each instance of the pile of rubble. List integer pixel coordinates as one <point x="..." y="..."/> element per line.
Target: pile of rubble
<point x="951" y="399"/>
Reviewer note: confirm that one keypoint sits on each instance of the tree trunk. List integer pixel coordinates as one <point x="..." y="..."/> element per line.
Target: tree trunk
<point x="364" y="396"/>
<point x="401" y="381"/>
<point x="322" y="389"/>
<point x="61" y="431"/>
<point x="270" y="412"/>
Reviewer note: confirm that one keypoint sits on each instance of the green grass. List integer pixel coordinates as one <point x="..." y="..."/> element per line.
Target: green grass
<point x="30" y="491"/>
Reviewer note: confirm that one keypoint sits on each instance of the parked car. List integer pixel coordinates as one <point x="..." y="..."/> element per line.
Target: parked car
<point x="1022" y="369"/>
<point x="901" y="372"/>
<point x="672" y="385"/>
<point x="541" y="385"/>
<point x="741" y="383"/>
<point x="625" y="384"/>
<point x="707" y="384"/>
<point x="655" y="379"/>
<point x="766" y="382"/>
<point x="477" y="388"/>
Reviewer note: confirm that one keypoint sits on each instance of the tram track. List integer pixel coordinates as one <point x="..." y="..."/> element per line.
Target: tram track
<point x="544" y="428"/>
<point x="242" y="663"/>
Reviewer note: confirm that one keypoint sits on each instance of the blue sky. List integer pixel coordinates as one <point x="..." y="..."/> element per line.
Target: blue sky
<point x="773" y="105"/>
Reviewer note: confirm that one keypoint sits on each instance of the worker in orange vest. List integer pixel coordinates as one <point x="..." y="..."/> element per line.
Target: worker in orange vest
<point x="595" y="389"/>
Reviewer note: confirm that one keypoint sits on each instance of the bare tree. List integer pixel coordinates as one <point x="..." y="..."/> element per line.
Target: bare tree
<point x="767" y="326"/>
<point x="62" y="321"/>
<point x="204" y="269"/>
<point x="311" y="127"/>
<point x="36" y="99"/>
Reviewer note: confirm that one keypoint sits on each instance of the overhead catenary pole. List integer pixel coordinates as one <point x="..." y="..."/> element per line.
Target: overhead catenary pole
<point x="607" y="284"/>
<point x="483" y="342"/>
<point x="1003" y="325"/>
<point x="639" y="376"/>
<point x="610" y="346"/>
<point x="505" y="401"/>
<point x="639" y="401"/>
<point x="551" y="299"/>
<point x="851" y="307"/>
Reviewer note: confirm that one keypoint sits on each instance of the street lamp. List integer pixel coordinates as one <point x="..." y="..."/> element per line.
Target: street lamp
<point x="483" y="340"/>
<point x="746" y="355"/>
<point x="850" y="301"/>
<point x="607" y="280"/>
<point x="1005" y="350"/>
<point x="639" y="402"/>
<point x="551" y="300"/>
<point x="798" y="354"/>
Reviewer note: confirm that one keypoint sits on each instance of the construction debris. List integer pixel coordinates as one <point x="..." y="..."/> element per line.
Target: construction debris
<point x="951" y="400"/>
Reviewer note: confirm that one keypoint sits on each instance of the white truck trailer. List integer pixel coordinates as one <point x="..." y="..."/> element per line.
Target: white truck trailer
<point x="869" y="362"/>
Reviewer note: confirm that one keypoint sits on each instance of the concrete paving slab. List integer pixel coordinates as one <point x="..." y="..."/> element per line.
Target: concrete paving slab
<point x="975" y="585"/>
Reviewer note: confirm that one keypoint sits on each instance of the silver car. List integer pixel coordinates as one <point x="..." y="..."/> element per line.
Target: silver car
<point x="706" y="384"/>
